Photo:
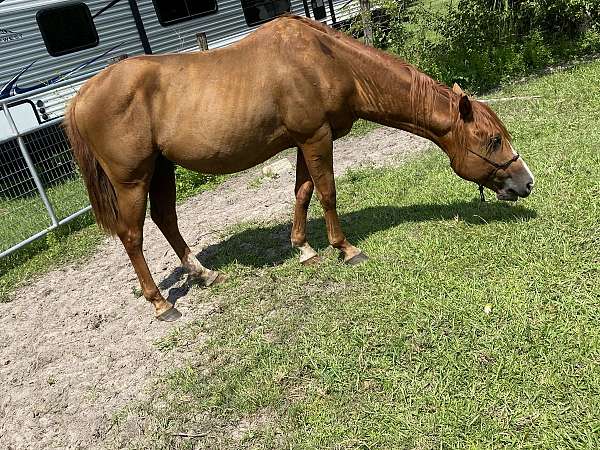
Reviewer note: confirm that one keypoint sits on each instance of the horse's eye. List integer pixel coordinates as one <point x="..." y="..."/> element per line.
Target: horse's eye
<point x="496" y="142"/>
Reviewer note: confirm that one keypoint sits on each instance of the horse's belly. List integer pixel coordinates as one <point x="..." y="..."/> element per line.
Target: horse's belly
<point x="227" y="157"/>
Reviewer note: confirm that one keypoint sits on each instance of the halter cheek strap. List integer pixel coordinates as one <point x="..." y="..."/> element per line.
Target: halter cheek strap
<point x="496" y="166"/>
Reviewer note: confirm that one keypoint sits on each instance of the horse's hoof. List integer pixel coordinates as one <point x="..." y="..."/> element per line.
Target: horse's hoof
<point x="169" y="315"/>
<point x="313" y="260"/>
<point x="357" y="259"/>
<point x="211" y="279"/>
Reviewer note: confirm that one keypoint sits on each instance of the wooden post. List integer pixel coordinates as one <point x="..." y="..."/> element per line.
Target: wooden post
<point x="365" y="12"/>
<point x="202" y="41"/>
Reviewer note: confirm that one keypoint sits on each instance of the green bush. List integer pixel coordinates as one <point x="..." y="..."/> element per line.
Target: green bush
<point x="481" y="43"/>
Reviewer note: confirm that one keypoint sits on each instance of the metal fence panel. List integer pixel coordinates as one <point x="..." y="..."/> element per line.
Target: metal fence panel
<point x="51" y="154"/>
<point x="22" y="212"/>
<point x="40" y="187"/>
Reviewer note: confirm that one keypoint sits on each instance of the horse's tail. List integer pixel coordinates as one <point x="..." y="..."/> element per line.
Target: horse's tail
<point x="100" y="190"/>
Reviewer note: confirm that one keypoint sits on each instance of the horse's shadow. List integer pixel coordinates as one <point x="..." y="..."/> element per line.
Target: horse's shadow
<point x="262" y="246"/>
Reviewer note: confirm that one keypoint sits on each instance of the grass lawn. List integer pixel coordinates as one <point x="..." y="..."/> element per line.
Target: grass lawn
<point x="472" y="325"/>
<point x="23" y="217"/>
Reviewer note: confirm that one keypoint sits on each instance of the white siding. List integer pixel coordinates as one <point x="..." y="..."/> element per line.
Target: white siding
<point x="222" y="28"/>
<point x="225" y="26"/>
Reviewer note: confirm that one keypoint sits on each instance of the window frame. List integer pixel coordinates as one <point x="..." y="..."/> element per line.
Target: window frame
<point x="182" y="19"/>
<point x="260" y="22"/>
<point x="46" y="37"/>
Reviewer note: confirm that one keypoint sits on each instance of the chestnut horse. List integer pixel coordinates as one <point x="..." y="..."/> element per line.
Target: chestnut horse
<point x="292" y="83"/>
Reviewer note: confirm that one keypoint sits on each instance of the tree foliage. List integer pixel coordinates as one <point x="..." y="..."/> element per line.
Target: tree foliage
<point x="481" y="43"/>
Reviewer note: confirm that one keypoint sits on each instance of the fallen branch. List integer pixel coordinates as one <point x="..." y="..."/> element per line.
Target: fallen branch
<point x="189" y="435"/>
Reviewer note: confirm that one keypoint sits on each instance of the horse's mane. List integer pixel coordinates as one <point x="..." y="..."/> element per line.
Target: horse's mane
<point x="424" y="90"/>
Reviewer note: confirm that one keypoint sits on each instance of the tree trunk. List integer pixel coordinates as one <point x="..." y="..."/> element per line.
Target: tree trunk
<point x="365" y="12"/>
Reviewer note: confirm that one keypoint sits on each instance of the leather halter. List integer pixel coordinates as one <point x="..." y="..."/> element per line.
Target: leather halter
<point x="497" y="167"/>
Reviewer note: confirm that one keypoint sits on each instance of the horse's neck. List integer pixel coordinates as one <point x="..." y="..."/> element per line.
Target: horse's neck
<point x="395" y="94"/>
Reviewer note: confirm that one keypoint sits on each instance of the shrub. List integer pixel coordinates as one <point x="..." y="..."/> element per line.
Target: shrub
<point x="480" y="43"/>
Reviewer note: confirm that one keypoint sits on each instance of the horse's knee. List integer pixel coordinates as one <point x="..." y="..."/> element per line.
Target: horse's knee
<point x="329" y="202"/>
<point x="327" y="197"/>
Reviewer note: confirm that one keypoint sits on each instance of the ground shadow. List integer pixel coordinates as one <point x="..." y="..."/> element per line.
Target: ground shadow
<point x="174" y="277"/>
<point x="175" y="293"/>
<point x="270" y="245"/>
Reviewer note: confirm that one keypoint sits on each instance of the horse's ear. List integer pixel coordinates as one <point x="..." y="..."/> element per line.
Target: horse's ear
<point x="465" y="108"/>
<point x="457" y="89"/>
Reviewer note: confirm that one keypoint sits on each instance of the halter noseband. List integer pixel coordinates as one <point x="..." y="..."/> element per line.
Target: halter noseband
<point x="497" y="167"/>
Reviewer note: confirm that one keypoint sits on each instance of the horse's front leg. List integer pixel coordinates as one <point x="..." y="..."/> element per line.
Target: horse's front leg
<point x="318" y="155"/>
<point x="303" y="190"/>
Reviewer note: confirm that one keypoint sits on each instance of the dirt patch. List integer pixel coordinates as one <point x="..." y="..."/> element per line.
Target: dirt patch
<point x="77" y="345"/>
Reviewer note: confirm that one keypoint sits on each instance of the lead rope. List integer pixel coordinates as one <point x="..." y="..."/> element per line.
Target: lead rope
<point x="481" y="194"/>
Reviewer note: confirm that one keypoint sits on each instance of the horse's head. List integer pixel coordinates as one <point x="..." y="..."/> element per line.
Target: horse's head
<point x="480" y="150"/>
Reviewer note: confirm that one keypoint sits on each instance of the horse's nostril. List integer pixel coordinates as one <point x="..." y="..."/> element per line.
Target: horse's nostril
<point x="530" y="186"/>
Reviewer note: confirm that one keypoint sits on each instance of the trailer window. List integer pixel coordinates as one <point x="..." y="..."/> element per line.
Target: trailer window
<point x="259" y="11"/>
<point x="174" y="11"/>
<point x="67" y="28"/>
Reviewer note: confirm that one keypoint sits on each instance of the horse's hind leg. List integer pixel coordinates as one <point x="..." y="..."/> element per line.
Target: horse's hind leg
<point x="162" y="211"/>
<point x="318" y="154"/>
<point x="304" y="190"/>
<point x="131" y="198"/>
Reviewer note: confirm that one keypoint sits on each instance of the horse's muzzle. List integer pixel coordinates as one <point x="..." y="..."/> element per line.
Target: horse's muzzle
<point x="512" y="193"/>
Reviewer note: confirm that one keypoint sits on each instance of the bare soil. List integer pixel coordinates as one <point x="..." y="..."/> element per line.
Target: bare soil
<point x="77" y="345"/>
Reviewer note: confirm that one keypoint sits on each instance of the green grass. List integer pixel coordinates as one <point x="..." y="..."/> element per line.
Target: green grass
<point x="362" y="127"/>
<point x="189" y="184"/>
<point x="400" y="352"/>
<point x="21" y="218"/>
